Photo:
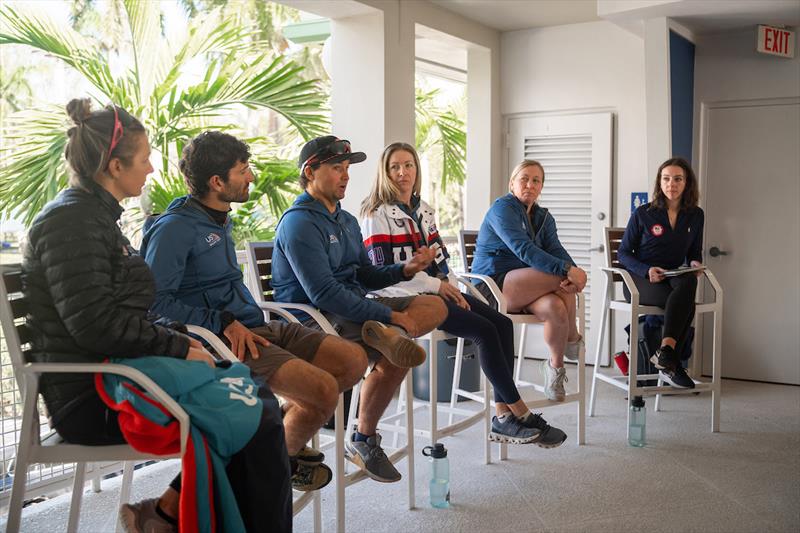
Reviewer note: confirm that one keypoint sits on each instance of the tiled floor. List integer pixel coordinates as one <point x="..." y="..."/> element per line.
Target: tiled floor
<point x="746" y="478"/>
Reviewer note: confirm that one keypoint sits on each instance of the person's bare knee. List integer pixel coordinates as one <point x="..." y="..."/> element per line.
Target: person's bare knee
<point x="346" y="361"/>
<point x="311" y="388"/>
<point x="428" y="311"/>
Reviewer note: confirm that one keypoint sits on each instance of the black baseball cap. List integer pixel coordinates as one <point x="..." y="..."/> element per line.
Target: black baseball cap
<point x="328" y="149"/>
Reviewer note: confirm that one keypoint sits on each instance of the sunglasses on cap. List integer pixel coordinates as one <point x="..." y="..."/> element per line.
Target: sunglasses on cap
<point x="334" y="149"/>
<point x="116" y="134"/>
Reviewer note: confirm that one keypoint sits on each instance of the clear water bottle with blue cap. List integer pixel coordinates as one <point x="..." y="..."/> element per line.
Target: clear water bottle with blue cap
<point x="440" y="475"/>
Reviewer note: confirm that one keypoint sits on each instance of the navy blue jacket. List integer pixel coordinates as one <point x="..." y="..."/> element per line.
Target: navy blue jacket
<point x="650" y="241"/>
<point x="506" y="240"/>
<point x="194" y="263"/>
<point x="320" y="259"/>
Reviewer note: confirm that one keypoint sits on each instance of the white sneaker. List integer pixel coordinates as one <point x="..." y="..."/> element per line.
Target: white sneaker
<point x="573" y="349"/>
<point x="554" y="379"/>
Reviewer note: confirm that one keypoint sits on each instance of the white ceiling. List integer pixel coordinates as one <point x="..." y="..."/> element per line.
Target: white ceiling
<point x="509" y="15"/>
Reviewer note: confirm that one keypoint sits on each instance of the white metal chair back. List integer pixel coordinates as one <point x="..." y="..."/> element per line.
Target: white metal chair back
<point x="616" y="273"/>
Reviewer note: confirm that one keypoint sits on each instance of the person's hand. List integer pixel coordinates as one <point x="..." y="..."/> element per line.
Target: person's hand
<point x="243" y="340"/>
<point x="577" y="277"/>
<point x="200" y="354"/>
<point x="400" y="318"/>
<point x="194" y="343"/>
<point x="569" y="287"/>
<point x="697" y="264"/>
<point x="656" y="274"/>
<point x="422" y="258"/>
<point x="449" y="292"/>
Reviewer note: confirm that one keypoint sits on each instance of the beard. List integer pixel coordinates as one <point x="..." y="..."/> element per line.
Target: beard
<point x="232" y="195"/>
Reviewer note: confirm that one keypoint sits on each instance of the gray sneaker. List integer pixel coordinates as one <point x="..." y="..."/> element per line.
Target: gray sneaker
<point x="142" y="517"/>
<point x="370" y="457"/>
<point x="573" y="349"/>
<point x="508" y="429"/>
<point x="550" y="437"/>
<point x="554" y="379"/>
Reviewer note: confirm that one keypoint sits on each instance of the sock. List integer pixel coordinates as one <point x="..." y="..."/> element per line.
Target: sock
<point x="502" y="416"/>
<point x="165" y="516"/>
<point x="528" y="416"/>
<point x="360" y="437"/>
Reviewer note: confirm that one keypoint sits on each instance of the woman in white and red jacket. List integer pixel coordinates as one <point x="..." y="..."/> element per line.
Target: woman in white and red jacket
<point x="395" y="222"/>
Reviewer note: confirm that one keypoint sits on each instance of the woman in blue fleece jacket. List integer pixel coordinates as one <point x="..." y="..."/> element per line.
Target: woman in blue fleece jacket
<point x="518" y="247"/>
<point x="662" y="235"/>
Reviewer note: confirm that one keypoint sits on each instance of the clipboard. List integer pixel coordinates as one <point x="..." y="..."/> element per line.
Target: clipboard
<point x="682" y="270"/>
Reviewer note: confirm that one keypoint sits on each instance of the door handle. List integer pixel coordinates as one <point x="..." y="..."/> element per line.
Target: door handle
<point x="714" y="252"/>
<point x="600" y="248"/>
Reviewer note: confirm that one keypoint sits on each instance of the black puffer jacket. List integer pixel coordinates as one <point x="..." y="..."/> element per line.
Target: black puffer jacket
<point x="88" y="294"/>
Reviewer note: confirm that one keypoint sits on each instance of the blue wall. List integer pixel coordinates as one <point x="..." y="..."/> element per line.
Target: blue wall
<point x="681" y="68"/>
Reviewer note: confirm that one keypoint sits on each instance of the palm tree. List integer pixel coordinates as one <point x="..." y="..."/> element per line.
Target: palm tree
<point x="441" y="129"/>
<point x="238" y="73"/>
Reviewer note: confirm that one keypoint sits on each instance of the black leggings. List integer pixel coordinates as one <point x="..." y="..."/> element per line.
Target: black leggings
<point x="259" y="473"/>
<point x="493" y="335"/>
<point x="676" y="296"/>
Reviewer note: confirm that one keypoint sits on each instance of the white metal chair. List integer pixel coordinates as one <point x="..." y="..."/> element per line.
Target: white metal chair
<point x="31" y="449"/>
<point x="614" y="272"/>
<point x="467" y="241"/>
<point x="260" y="263"/>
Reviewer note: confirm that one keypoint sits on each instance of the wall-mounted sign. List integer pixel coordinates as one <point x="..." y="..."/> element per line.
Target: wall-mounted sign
<point x="775" y="41"/>
<point x="637" y="199"/>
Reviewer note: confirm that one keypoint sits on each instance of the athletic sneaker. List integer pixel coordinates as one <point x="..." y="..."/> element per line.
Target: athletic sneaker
<point x="307" y="478"/>
<point x="143" y="517"/>
<point x="665" y="357"/>
<point x="309" y="456"/>
<point x="372" y="459"/>
<point x="554" y="379"/>
<point x="677" y="377"/>
<point x="573" y="349"/>
<point x="396" y="347"/>
<point x="510" y="430"/>
<point x="550" y="437"/>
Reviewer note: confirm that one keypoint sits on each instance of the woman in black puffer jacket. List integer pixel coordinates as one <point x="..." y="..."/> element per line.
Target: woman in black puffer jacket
<point x="89" y="293"/>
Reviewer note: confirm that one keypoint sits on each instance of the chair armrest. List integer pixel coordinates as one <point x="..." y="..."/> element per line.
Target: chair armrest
<point x="462" y="280"/>
<point x="33" y="370"/>
<point x="215" y="342"/>
<point x="282" y="308"/>
<point x="626" y="279"/>
<point x="712" y="279"/>
<point x="495" y="290"/>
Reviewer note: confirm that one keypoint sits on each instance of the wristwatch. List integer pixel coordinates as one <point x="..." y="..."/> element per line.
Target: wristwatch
<point x="226" y="318"/>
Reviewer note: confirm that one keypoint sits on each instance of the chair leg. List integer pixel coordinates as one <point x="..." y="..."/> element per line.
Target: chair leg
<point x="600" y="335"/>
<point x="18" y="487"/>
<point x="456" y="378"/>
<point x="340" y="434"/>
<point x="77" y="495"/>
<point x="520" y="353"/>
<point x="633" y="366"/>
<point x="402" y="403"/>
<point x="658" y="396"/>
<point x="125" y="487"/>
<point x="433" y="389"/>
<point x="487" y="421"/>
<point x="410" y="445"/>
<point x="716" y="350"/>
<point x="582" y="397"/>
<point x="317" y="502"/>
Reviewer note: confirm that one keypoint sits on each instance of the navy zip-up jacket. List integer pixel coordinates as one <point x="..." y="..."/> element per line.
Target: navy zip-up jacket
<point x="650" y="241"/>
<point x="506" y="240"/>
<point x="194" y="263"/>
<point x="320" y="259"/>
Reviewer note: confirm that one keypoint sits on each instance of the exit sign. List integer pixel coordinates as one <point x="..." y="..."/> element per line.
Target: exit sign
<point x="775" y="41"/>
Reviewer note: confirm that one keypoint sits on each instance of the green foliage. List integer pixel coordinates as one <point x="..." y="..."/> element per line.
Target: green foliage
<point x="442" y="128"/>
<point x="238" y="74"/>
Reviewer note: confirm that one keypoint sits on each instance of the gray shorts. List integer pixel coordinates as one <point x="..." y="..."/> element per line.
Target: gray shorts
<point x="287" y="341"/>
<point x="351" y="331"/>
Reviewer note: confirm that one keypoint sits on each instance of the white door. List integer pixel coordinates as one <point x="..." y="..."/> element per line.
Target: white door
<point x="575" y="151"/>
<point x="751" y="176"/>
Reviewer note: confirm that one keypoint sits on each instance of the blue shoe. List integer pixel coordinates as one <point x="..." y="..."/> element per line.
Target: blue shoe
<point x="550" y="437"/>
<point x="508" y="429"/>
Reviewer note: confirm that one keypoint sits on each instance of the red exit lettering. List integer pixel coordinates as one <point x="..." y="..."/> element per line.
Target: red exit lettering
<point x="775" y="41"/>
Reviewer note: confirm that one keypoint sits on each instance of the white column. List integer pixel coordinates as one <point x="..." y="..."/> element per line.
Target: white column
<point x="657" y="92"/>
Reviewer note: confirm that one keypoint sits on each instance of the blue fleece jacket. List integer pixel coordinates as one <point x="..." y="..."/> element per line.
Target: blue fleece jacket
<point x="649" y="240"/>
<point x="193" y="260"/>
<point x="319" y="258"/>
<point x="507" y="241"/>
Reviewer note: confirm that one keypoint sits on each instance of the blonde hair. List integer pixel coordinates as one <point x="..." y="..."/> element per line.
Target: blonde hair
<point x="522" y="166"/>
<point x="384" y="191"/>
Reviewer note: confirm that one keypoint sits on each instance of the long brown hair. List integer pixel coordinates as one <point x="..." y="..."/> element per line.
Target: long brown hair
<point x="691" y="193"/>
<point x="384" y="191"/>
<point x="87" y="150"/>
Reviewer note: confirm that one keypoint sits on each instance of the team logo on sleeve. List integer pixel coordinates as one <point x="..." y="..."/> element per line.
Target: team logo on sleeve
<point x="657" y="230"/>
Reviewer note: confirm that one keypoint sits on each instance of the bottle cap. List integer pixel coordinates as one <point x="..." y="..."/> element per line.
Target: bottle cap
<point x="437" y="451"/>
<point x="638" y="401"/>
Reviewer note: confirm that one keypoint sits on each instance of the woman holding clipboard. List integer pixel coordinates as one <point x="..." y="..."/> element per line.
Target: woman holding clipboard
<point x="661" y="237"/>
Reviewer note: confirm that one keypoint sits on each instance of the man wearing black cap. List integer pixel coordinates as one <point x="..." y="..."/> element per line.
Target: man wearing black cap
<point x="191" y="253"/>
<point x="320" y="259"/>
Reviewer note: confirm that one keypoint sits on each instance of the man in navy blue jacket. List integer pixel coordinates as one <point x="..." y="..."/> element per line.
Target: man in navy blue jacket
<point x="191" y="252"/>
<point x="320" y="259"/>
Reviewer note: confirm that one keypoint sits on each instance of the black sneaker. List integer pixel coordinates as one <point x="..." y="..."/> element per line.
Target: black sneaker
<point x="510" y="430"/>
<point x="551" y="437"/>
<point x="677" y="377"/>
<point x="665" y="357"/>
